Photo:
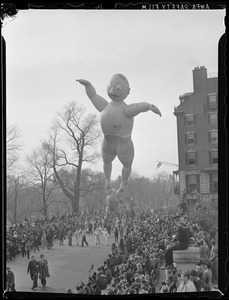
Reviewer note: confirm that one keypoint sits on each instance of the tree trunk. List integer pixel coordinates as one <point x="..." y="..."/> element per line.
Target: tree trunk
<point x="76" y="198"/>
<point x="75" y="204"/>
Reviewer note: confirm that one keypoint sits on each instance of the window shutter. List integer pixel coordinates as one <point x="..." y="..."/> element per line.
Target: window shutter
<point x="196" y="158"/>
<point x="186" y="138"/>
<point x="198" y="183"/>
<point x="195" y="138"/>
<point x="211" y="182"/>
<point x="210" y="157"/>
<point x="194" y="119"/>
<point x="209" y="137"/>
<point x="185" y="121"/>
<point x="186" y="158"/>
<point x="187" y="184"/>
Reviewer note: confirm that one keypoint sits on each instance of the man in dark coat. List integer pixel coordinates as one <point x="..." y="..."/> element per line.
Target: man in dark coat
<point x="43" y="269"/>
<point x="33" y="269"/>
<point x="182" y="238"/>
<point x="10" y="280"/>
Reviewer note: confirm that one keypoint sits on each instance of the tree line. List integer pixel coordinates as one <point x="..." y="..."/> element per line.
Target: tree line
<point x="58" y="177"/>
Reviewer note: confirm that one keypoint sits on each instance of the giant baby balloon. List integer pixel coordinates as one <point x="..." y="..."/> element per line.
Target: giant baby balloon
<point x="117" y="120"/>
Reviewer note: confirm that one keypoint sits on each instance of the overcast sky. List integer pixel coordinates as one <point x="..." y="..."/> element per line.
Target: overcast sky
<point x="47" y="50"/>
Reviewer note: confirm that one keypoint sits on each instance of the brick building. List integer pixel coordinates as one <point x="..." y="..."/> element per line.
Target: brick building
<point x="196" y="181"/>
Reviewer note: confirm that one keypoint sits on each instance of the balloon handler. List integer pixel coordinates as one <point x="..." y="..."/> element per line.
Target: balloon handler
<point x="117" y="120"/>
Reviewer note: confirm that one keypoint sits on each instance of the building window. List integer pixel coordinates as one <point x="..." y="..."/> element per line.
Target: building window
<point x="189" y="119"/>
<point x="190" y="138"/>
<point x="193" y="183"/>
<point x="212" y="101"/>
<point x="213" y="180"/>
<point x="213" y="118"/>
<point x="213" y="137"/>
<point x="191" y="158"/>
<point x="213" y="157"/>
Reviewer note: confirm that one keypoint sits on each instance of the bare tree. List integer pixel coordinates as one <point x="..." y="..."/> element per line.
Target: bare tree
<point x="163" y="187"/>
<point x="73" y="142"/>
<point x="13" y="147"/>
<point x="40" y="174"/>
<point x="16" y="207"/>
<point x="93" y="190"/>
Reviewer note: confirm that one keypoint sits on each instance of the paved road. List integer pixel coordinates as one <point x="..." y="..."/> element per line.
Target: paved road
<point x="68" y="265"/>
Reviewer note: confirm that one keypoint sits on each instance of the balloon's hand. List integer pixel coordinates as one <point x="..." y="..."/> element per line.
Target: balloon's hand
<point x="83" y="82"/>
<point x="155" y="109"/>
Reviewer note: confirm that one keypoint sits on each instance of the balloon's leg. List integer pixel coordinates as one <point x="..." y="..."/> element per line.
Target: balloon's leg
<point x="125" y="174"/>
<point x="107" y="168"/>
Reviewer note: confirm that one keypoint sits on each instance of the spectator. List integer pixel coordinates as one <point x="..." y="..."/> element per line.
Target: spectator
<point x="43" y="270"/>
<point x="23" y="251"/>
<point x="43" y="240"/>
<point x="106" y="236"/>
<point x="204" y="251"/>
<point x="61" y="236"/>
<point x="69" y="238"/>
<point x="183" y="237"/>
<point x="84" y="240"/>
<point x="33" y="270"/>
<point x="78" y="236"/>
<point x="108" y="275"/>
<point x="186" y="285"/>
<point x="200" y="269"/>
<point x="28" y="247"/>
<point x="97" y="236"/>
<point x="199" y="284"/>
<point x="214" y="262"/>
<point x="116" y="234"/>
<point x="10" y="280"/>
<point x="208" y="276"/>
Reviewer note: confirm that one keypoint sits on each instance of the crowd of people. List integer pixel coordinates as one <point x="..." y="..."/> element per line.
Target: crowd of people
<point x="137" y="254"/>
<point x="26" y="237"/>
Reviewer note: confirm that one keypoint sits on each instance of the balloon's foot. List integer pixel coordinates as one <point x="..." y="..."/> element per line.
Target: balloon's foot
<point x="122" y="186"/>
<point x="108" y="186"/>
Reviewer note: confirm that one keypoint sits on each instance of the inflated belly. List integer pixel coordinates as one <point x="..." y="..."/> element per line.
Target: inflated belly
<point x="116" y="123"/>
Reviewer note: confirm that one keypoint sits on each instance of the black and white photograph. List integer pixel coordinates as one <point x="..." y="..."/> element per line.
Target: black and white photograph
<point x="111" y="150"/>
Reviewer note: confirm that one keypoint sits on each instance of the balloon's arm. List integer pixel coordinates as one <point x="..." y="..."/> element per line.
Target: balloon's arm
<point x="99" y="102"/>
<point x="133" y="110"/>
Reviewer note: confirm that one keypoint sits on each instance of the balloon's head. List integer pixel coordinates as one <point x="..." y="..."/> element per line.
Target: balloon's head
<point x="118" y="88"/>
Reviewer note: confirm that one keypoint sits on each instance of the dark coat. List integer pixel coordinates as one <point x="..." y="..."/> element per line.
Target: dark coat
<point x="10" y="279"/>
<point x="183" y="234"/>
<point x="43" y="268"/>
<point x="33" y="267"/>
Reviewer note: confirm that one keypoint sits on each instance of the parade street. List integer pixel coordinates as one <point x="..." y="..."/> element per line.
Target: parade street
<point x="68" y="265"/>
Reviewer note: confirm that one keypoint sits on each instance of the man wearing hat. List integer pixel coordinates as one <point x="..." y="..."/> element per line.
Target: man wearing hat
<point x="43" y="269"/>
<point x="182" y="238"/>
<point x="199" y="284"/>
<point x="10" y="280"/>
<point x="33" y="269"/>
<point x="186" y="285"/>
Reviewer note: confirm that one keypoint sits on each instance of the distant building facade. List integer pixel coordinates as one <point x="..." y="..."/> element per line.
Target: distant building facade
<point x="196" y="181"/>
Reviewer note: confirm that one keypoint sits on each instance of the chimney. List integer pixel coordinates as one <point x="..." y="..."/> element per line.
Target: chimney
<point x="200" y="79"/>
